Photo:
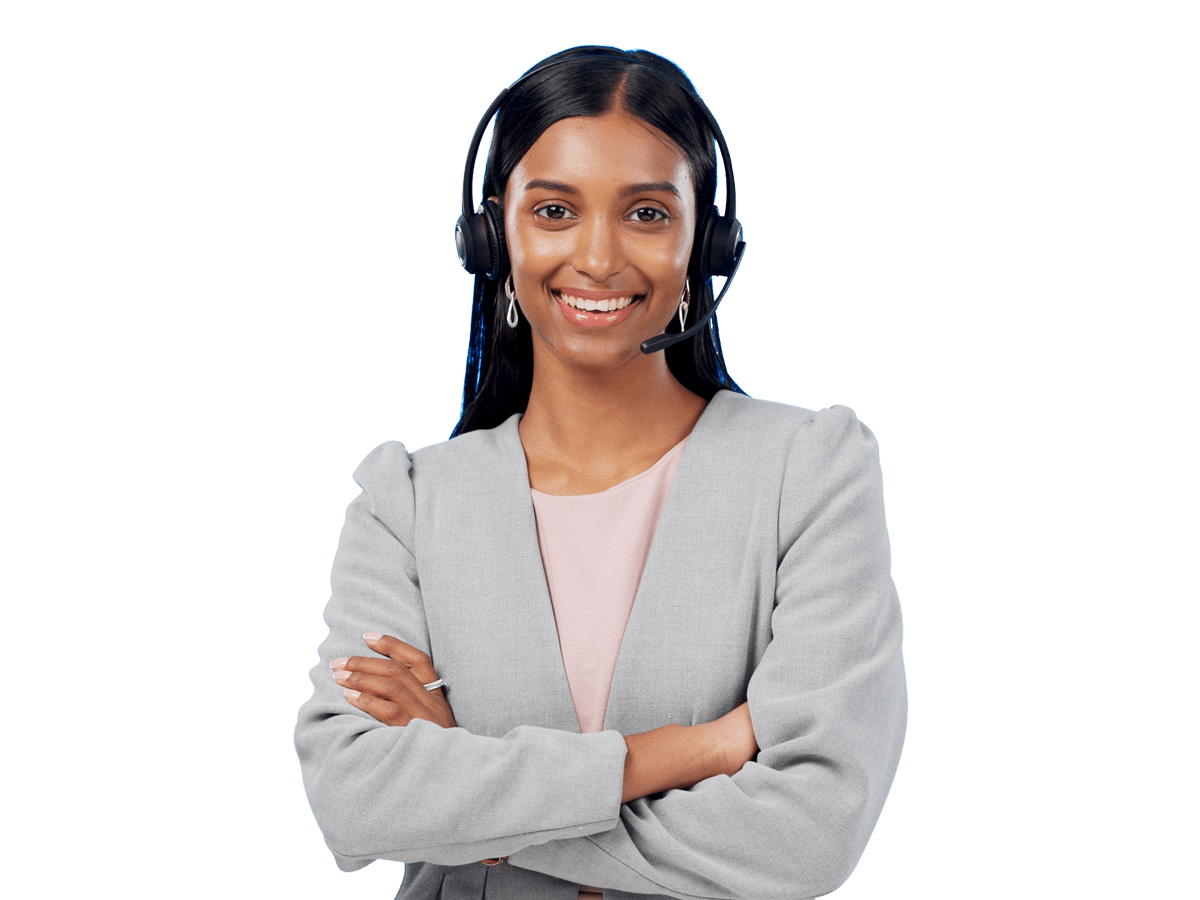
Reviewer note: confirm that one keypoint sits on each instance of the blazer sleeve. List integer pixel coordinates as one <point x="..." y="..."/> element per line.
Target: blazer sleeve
<point x="421" y="792"/>
<point x="828" y="703"/>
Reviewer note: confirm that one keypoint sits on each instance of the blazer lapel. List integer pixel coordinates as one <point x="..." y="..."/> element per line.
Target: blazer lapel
<point x="660" y="599"/>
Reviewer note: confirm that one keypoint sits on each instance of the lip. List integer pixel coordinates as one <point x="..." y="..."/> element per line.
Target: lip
<point x="594" y="295"/>
<point x="584" y="319"/>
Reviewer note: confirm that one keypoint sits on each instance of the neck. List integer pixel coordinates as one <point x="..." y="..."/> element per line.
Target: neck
<point x="586" y="429"/>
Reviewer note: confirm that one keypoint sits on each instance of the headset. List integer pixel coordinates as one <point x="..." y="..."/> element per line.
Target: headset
<point x="718" y="246"/>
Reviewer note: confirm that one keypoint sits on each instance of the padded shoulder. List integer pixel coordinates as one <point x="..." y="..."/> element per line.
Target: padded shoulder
<point x="385" y="477"/>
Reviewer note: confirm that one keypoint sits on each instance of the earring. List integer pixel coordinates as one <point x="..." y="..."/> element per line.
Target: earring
<point x="684" y="303"/>
<point x="512" y="318"/>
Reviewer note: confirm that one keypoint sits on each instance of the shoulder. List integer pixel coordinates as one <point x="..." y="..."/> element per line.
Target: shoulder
<point x="828" y="469"/>
<point x="385" y="479"/>
<point x="833" y="431"/>
<point x="386" y="463"/>
<point x="395" y="482"/>
<point x="815" y="459"/>
<point x="737" y="412"/>
<point x="834" y="438"/>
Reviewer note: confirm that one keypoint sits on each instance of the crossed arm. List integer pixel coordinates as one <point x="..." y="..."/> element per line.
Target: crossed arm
<point x="392" y="691"/>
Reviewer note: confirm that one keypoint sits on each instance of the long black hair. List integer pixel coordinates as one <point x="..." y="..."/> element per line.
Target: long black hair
<point x="590" y="81"/>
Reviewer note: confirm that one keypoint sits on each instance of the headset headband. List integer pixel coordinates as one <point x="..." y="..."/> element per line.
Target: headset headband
<point x="472" y="154"/>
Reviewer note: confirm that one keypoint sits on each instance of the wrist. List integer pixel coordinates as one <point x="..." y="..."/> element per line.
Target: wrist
<point x="674" y="756"/>
<point x="709" y="739"/>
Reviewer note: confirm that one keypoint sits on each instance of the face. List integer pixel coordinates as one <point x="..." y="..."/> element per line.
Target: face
<point x="599" y="216"/>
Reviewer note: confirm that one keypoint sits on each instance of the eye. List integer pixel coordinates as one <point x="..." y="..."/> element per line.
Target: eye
<point x="553" y="211"/>
<point x="648" y="214"/>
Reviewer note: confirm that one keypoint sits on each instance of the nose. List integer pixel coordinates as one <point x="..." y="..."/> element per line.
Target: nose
<point x="598" y="253"/>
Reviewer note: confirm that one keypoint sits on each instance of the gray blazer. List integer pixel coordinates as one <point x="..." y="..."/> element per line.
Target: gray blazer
<point x="768" y="579"/>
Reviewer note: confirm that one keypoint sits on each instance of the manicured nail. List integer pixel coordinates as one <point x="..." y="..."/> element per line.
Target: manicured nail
<point x="340" y="675"/>
<point x="372" y="636"/>
<point x="339" y="663"/>
<point x="351" y="695"/>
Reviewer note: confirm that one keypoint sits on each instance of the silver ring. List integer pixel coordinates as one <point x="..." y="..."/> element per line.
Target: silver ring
<point x="434" y="685"/>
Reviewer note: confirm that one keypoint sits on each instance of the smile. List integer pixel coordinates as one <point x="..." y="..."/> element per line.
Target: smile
<point x="611" y="304"/>
<point x="598" y="310"/>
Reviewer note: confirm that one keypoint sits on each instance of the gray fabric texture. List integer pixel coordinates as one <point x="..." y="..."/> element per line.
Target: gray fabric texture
<point x="768" y="580"/>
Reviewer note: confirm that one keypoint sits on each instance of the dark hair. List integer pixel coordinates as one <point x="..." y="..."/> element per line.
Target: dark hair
<point x="589" y="82"/>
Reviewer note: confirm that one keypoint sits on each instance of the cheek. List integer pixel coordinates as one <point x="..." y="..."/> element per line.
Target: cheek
<point x="677" y="251"/>
<point x="669" y="258"/>
<point x="684" y="249"/>
<point x="533" y="253"/>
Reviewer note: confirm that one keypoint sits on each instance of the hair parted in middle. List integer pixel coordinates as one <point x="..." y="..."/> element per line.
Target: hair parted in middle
<point x="587" y="81"/>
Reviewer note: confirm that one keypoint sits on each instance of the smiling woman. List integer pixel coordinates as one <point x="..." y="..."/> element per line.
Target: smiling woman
<point x="629" y="631"/>
<point x="593" y="249"/>
<point x="599" y="168"/>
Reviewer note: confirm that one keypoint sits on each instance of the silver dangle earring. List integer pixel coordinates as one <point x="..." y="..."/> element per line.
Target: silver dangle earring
<point x="684" y="303"/>
<point x="512" y="318"/>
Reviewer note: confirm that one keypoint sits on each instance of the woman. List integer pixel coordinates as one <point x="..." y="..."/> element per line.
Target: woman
<point x="661" y="611"/>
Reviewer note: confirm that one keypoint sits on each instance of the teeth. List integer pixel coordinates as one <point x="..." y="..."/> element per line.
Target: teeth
<point x="597" y="305"/>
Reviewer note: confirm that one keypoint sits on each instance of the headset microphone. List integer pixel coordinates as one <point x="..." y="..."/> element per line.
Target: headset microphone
<point x="666" y="339"/>
<point x="717" y="248"/>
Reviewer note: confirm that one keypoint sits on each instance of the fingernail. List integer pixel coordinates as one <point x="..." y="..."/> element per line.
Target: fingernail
<point x="340" y="675"/>
<point x="339" y="663"/>
<point x="372" y="636"/>
<point x="351" y="695"/>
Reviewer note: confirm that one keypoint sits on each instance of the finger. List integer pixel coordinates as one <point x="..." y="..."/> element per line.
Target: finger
<point x="406" y="692"/>
<point x="406" y="697"/>
<point x="384" y="668"/>
<point x="371" y="665"/>
<point x="398" y="650"/>
<point x="415" y="659"/>
<point x="382" y="710"/>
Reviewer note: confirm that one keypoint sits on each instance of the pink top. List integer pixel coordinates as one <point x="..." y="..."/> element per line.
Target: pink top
<point x="594" y="548"/>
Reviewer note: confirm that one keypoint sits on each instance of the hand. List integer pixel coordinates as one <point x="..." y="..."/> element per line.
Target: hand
<point x="735" y="741"/>
<point x="393" y="690"/>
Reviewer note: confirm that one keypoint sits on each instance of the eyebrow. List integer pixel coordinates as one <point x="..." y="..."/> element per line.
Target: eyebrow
<point x="644" y="187"/>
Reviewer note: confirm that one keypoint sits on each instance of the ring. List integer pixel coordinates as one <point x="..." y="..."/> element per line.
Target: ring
<point x="434" y="685"/>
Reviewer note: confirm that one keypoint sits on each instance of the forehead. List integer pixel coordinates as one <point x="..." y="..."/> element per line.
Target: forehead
<point x="612" y="149"/>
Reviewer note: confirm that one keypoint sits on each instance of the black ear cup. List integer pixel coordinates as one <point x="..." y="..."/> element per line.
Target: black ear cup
<point x="717" y="239"/>
<point x="470" y="239"/>
<point x="495" y="229"/>
<point x="724" y="236"/>
<point x="480" y="241"/>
